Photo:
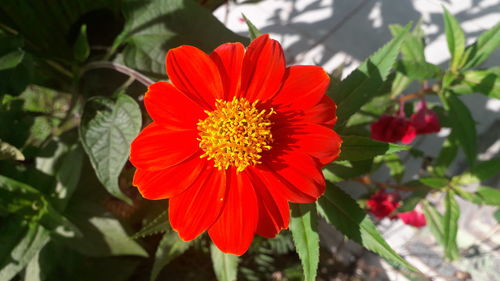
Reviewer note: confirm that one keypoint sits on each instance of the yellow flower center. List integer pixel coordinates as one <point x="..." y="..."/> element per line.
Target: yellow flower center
<point x="235" y="134"/>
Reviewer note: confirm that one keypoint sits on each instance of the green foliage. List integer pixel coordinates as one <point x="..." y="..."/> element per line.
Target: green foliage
<point x="170" y="247"/>
<point x="107" y="129"/>
<point x="486" y="82"/>
<point x="225" y="265"/>
<point x="8" y="151"/>
<point x="463" y="125"/>
<point x="81" y="49"/>
<point x="358" y="88"/>
<point x="304" y="228"/>
<point x="340" y="210"/>
<point x="356" y="148"/>
<point x="484" y="46"/>
<point x="157" y="225"/>
<point x="253" y="31"/>
<point x="450" y="228"/>
<point x="435" y="222"/>
<point x="155" y="26"/>
<point x="456" y="39"/>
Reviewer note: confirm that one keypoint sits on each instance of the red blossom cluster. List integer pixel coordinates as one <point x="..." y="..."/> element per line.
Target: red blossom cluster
<point x="394" y="128"/>
<point x="384" y="204"/>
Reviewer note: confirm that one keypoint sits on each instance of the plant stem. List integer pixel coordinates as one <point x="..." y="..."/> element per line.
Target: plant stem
<point x="120" y="68"/>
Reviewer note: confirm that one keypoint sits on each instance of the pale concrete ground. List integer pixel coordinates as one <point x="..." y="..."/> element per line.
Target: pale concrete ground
<point x="329" y="32"/>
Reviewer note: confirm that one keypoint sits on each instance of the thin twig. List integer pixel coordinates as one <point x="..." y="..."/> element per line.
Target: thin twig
<point x="120" y="68"/>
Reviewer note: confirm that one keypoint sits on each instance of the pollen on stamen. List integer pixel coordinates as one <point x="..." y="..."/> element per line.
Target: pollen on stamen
<point x="235" y="134"/>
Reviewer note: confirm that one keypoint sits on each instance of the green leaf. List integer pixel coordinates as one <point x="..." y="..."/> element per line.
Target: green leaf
<point x="464" y="127"/>
<point x="434" y="182"/>
<point x="450" y="228"/>
<point x="24" y="250"/>
<point x="106" y="131"/>
<point x="488" y="195"/>
<point x="395" y="165"/>
<point x="418" y="70"/>
<point x="496" y="215"/>
<point x="47" y="25"/>
<point x="362" y="84"/>
<point x="153" y="27"/>
<point x="486" y="82"/>
<point x="11" y="59"/>
<point x="410" y="202"/>
<point x="487" y="42"/>
<point x="446" y="156"/>
<point x="253" y="31"/>
<point x="10" y="152"/>
<point x="65" y="164"/>
<point x="434" y="221"/>
<point x="304" y="228"/>
<point x="343" y="170"/>
<point x="413" y="46"/>
<point x="170" y="247"/>
<point x="455" y="38"/>
<point x="102" y="236"/>
<point x="355" y="148"/>
<point x="157" y="225"/>
<point x="340" y="210"/>
<point x="81" y="49"/>
<point x="481" y="171"/>
<point x="225" y="265"/>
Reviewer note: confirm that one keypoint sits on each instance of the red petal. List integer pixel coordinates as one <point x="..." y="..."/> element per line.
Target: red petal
<point x="168" y="182"/>
<point x="234" y="230"/>
<point x="157" y="148"/>
<point x="295" y="174"/>
<point x="323" y="113"/>
<point x="304" y="86"/>
<point x="195" y="74"/>
<point x="194" y="210"/>
<point x="171" y="108"/>
<point x="413" y="218"/>
<point x="316" y="140"/>
<point x="263" y="69"/>
<point x="229" y="59"/>
<point x="274" y="212"/>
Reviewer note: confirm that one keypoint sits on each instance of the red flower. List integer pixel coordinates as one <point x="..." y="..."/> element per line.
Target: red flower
<point x="235" y="136"/>
<point x="393" y="129"/>
<point x="414" y="218"/>
<point x="382" y="204"/>
<point x="424" y="120"/>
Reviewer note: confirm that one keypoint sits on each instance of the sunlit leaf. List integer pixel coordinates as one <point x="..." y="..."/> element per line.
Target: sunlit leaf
<point x="450" y="228"/>
<point x="455" y="38"/>
<point x="304" y="228"/>
<point x="485" y="44"/>
<point x="253" y="31"/>
<point x="10" y="152"/>
<point x="344" y="213"/>
<point x="360" y="86"/>
<point x="434" y="221"/>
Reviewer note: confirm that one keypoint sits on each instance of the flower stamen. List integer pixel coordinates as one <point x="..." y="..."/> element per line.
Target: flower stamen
<point x="235" y="133"/>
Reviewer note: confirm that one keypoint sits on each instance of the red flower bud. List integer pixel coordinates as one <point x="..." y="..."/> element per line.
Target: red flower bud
<point x="414" y="218"/>
<point x="424" y="120"/>
<point x="393" y="129"/>
<point x="382" y="204"/>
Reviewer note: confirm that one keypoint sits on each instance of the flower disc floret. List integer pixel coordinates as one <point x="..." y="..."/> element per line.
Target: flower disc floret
<point x="235" y="133"/>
